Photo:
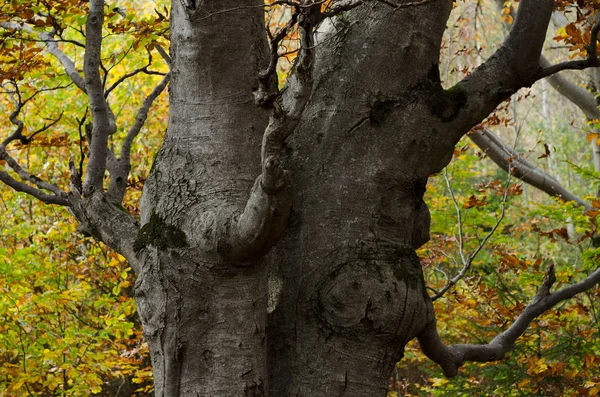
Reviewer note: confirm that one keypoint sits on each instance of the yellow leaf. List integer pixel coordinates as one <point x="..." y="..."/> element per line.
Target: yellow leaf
<point x="436" y="382"/>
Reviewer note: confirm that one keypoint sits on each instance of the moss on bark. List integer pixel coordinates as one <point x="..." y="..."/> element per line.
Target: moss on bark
<point x="159" y="234"/>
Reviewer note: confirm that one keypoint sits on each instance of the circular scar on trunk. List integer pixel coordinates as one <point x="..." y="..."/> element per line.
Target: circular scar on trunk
<point x="382" y="296"/>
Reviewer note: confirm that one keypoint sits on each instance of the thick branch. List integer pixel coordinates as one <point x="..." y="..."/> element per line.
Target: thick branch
<point x="100" y="112"/>
<point x="511" y="161"/>
<point x="451" y="358"/>
<point x="265" y="217"/>
<point x="107" y="223"/>
<point x="513" y="66"/>
<point x="299" y="85"/>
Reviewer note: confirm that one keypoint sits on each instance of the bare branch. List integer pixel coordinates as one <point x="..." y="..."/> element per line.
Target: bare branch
<point x="14" y="116"/>
<point x="45" y="127"/>
<point x="163" y="54"/>
<point x="581" y="97"/>
<point x="101" y="115"/>
<point x="342" y="6"/>
<point x="285" y="118"/>
<point x="38" y="194"/>
<point x="26" y="176"/>
<point x="24" y="188"/>
<point x="143" y="69"/>
<point x="18" y="132"/>
<point x="58" y="196"/>
<point x="122" y="166"/>
<point x="348" y="5"/>
<point x="451" y="358"/>
<point x="467" y="261"/>
<point x="141" y="117"/>
<point x="511" y="161"/>
<point x="268" y="90"/>
<point x="266" y="213"/>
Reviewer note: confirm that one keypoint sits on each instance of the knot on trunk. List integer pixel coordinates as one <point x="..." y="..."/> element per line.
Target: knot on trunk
<point x="381" y="291"/>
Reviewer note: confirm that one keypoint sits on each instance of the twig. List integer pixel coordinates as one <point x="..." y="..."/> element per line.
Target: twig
<point x="590" y="61"/>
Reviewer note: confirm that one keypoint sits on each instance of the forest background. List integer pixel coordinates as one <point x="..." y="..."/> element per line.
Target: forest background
<point x="68" y="322"/>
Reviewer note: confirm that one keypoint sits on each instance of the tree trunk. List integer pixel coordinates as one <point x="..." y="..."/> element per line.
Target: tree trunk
<point x="346" y="285"/>
<point x="204" y="317"/>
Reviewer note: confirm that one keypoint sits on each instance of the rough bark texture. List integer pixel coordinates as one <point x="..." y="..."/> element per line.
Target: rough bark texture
<point x="205" y="317"/>
<point x="346" y="286"/>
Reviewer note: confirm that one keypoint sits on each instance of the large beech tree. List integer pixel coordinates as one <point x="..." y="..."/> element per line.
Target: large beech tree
<point x="275" y="254"/>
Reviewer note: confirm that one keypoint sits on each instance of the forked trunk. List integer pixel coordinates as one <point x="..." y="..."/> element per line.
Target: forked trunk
<point x="345" y="287"/>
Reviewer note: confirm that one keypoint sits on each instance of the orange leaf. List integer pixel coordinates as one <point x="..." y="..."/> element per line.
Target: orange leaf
<point x="592" y="135"/>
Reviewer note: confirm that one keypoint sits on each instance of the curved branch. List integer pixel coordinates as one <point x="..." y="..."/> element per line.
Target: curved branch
<point x="590" y="61"/>
<point x="143" y="69"/>
<point x="20" y="126"/>
<point x="141" y="117"/>
<point x="513" y="66"/>
<point x="26" y="176"/>
<point x="45" y="127"/>
<point x="451" y="358"/>
<point x="467" y="261"/>
<point x="265" y="216"/>
<point x="38" y="194"/>
<point x="511" y="161"/>
<point x="580" y="97"/>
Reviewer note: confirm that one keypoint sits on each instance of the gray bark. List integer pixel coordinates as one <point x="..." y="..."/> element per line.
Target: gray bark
<point x="511" y="161"/>
<point x="583" y="99"/>
<point x="207" y="219"/>
<point x="348" y="287"/>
